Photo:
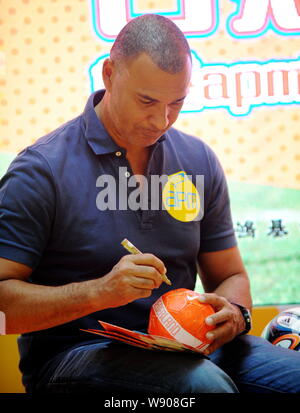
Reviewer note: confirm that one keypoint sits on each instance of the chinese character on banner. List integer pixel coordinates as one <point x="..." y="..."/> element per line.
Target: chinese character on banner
<point x="246" y="230"/>
<point x="277" y="229"/>
<point x="194" y="18"/>
<point x="255" y="17"/>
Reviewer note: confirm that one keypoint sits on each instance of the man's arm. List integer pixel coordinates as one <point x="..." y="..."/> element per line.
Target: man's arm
<point x="28" y="204"/>
<point x="225" y="280"/>
<point x="31" y="307"/>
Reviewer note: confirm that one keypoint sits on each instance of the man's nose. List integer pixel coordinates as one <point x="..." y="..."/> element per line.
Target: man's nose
<point x="160" y="118"/>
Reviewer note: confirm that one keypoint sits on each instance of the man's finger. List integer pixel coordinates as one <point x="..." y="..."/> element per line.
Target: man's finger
<point x="218" y="318"/>
<point x="148" y="259"/>
<point x="143" y="272"/>
<point x="215" y="300"/>
<point x="219" y="332"/>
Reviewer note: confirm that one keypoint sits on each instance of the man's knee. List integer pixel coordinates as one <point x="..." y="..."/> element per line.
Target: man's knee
<point x="206" y="377"/>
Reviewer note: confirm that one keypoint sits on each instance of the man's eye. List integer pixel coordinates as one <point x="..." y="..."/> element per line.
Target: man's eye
<point x="179" y="102"/>
<point x="146" y="102"/>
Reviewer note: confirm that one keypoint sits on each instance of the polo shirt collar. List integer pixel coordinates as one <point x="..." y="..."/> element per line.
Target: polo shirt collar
<point x="95" y="133"/>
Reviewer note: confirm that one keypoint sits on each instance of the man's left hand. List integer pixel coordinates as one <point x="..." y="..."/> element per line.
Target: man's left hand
<point x="227" y="320"/>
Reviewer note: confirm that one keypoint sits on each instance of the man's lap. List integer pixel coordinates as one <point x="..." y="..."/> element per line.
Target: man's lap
<point x="114" y="366"/>
<point x="252" y="363"/>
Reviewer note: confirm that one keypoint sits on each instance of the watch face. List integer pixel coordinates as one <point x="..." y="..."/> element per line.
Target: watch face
<point x="247" y="317"/>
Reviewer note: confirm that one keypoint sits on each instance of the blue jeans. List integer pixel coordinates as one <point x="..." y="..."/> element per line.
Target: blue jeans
<point x="247" y="364"/>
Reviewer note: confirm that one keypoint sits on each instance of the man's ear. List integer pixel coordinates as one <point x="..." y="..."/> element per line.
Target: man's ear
<point x="107" y="72"/>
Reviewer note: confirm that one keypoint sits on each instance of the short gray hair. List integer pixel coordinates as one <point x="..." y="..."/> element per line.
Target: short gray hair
<point x="158" y="37"/>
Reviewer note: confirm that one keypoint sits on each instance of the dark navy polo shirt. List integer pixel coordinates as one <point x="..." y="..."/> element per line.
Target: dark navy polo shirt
<point x="49" y="220"/>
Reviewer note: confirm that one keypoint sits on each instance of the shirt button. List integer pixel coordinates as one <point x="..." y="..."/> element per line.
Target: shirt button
<point x="118" y="153"/>
<point x="127" y="174"/>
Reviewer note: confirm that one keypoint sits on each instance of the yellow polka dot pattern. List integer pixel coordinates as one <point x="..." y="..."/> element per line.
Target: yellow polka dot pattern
<point x="46" y="47"/>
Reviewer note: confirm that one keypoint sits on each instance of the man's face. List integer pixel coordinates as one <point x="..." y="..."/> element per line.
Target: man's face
<point x="144" y="101"/>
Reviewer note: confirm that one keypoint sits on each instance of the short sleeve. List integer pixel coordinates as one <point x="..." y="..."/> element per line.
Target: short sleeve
<point x="27" y="207"/>
<point x="217" y="232"/>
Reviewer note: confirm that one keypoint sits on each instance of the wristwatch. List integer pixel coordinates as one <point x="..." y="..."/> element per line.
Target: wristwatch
<point x="247" y="317"/>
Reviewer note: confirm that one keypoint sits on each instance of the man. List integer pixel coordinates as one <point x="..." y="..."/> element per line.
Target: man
<point x="62" y="265"/>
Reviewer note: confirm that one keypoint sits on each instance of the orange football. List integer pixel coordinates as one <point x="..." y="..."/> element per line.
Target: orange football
<point x="179" y="315"/>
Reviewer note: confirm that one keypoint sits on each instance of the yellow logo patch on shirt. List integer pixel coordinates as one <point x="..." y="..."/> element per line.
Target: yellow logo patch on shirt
<point x="181" y="198"/>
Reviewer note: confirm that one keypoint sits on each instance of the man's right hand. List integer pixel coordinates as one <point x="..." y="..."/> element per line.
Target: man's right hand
<point x="133" y="277"/>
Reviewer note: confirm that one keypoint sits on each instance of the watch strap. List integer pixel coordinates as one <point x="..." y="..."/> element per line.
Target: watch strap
<point x="247" y="318"/>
